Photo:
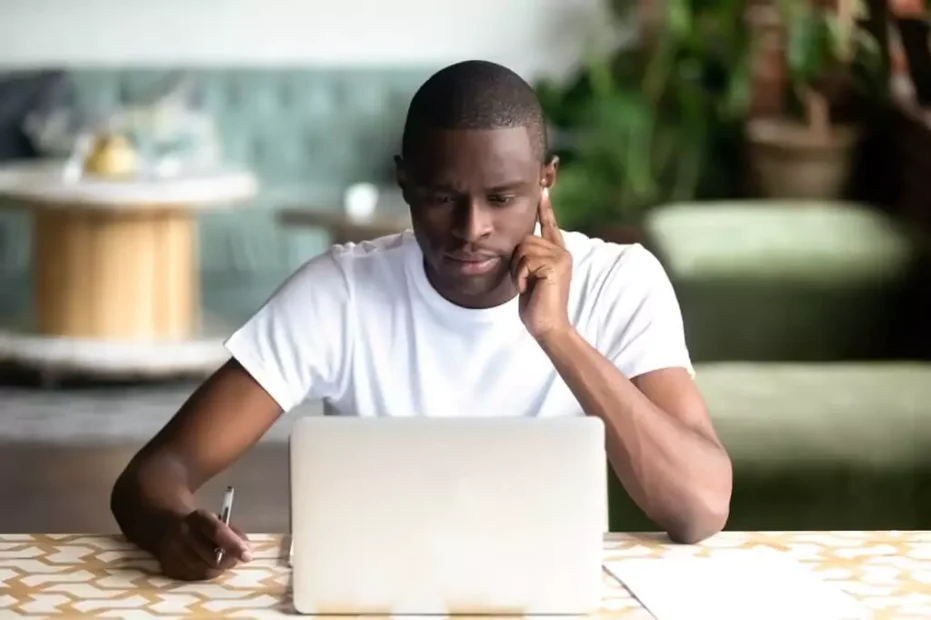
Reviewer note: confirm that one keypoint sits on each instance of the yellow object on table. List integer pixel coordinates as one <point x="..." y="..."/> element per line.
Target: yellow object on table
<point x="111" y="156"/>
<point x="75" y="575"/>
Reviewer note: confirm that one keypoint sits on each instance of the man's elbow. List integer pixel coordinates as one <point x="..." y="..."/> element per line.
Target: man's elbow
<point x="708" y="514"/>
<point x="699" y="525"/>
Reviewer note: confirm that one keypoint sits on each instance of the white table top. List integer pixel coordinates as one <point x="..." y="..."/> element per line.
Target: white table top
<point x="44" y="182"/>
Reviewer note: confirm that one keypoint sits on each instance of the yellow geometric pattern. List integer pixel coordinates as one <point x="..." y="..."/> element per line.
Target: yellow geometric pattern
<point x="88" y="576"/>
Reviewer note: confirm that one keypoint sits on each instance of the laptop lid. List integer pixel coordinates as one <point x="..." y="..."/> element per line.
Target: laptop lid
<point x="447" y="515"/>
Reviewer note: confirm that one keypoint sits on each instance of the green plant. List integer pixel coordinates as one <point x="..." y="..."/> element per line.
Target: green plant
<point x="827" y="55"/>
<point x="653" y="122"/>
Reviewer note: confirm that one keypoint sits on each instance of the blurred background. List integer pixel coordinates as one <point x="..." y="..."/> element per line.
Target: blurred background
<point x="164" y="166"/>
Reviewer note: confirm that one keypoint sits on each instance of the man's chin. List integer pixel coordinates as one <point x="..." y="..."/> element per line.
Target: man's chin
<point x="477" y="287"/>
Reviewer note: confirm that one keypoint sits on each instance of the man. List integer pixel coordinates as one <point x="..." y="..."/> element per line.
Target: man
<point x="485" y="309"/>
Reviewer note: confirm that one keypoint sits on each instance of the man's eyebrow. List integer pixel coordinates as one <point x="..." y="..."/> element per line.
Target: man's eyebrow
<point x="443" y="187"/>
<point x="503" y="187"/>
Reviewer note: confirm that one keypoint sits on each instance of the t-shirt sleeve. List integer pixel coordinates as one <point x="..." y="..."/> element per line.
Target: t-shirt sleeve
<point x="295" y="345"/>
<point x="642" y="328"/>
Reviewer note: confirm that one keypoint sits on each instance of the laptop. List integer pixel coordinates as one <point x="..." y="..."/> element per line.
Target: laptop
<point x="480" y="516"/>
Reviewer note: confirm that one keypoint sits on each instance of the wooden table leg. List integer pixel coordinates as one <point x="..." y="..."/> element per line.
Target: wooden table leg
<point x="115" y="274"/>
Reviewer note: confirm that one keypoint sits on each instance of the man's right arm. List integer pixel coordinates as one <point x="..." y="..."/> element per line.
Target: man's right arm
<point x="292" y="349"/>
<point x="225" y="416"/>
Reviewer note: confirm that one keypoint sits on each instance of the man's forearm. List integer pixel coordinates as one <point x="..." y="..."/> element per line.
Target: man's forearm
<point x="679" y="477"/>
<point x="147" y="497"/>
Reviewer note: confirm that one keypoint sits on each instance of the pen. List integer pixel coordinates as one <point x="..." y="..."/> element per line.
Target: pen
<point x="225" y="514"/>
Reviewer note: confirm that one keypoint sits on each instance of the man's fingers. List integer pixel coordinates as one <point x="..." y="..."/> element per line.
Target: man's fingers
<point x="206" y="550"/>
<point x="187" y="557"/>
<point x="521" y="272"/>
<point x="537" y="246"/>
<point x="240" y="533"/>
<point x="529" y="265"/>
<point x="206" y="553"/>
<point x="188" y="563"/>
<point x="203" y="547"/>
<point x="230" y="542"/>
<point x="549" y="229"/>
<point x="223" y="537"/>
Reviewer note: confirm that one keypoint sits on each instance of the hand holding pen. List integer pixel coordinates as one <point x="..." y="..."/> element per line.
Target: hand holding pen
<point x="203" y="544"/>
<point x="225" y="511"/>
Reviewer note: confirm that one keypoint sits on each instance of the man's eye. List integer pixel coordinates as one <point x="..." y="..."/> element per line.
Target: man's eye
<point x="500" y="199"/>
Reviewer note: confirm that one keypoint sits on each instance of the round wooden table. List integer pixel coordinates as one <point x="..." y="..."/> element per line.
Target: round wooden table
<point x="115" y="269"/>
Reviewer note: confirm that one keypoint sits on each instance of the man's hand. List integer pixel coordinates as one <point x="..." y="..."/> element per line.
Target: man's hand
<point x="188" y="549"/>
<point x="542" y="268"/>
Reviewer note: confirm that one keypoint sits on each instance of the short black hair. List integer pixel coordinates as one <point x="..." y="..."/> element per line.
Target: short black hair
<point x="474" y="94"/>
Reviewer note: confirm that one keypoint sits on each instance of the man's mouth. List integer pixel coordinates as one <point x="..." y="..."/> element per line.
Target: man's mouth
<point x="472" y="265"/>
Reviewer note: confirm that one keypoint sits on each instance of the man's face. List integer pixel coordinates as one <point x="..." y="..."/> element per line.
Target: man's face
<point x="473" y="196"/>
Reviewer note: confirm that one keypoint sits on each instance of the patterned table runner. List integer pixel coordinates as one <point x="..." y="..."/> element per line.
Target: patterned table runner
<point x="74" y="575"/>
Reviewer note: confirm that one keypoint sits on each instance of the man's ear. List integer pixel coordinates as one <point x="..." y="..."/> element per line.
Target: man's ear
<point x="401" y="176"/>
<point x="548" y="178"/>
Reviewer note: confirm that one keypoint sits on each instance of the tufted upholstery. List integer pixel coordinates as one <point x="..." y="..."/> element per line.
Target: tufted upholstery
<point x="817" y="446"/>
<point x="310" y="126"/>
<point x="777" y="281"/>
<point x="307" y="132"/>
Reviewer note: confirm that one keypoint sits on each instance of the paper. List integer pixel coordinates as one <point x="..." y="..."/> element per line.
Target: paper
<point x="734" y="585"/>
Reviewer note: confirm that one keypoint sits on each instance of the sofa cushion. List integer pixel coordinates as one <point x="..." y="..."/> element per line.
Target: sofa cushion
<point x="857" y="414"/>
<point x="817" y="446"/>
<point x="821" y="242"/>
<point x="785" y="281"/>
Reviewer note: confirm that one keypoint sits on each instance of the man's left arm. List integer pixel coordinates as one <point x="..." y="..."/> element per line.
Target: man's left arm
<point x="659" y="437"/>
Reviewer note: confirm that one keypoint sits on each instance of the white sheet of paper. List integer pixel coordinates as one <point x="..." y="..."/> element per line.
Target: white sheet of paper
<point x="734" y="585"/>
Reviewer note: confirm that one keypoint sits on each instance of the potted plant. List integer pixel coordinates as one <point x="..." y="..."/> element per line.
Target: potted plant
<point x="808" y="154"/>
<point x="653" y="121"/>
<point x="911" y="19"/>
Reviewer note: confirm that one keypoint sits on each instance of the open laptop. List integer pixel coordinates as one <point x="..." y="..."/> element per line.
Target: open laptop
<point x="447" y="515"/>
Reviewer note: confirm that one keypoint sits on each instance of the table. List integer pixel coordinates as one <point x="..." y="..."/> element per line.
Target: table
<point x="389" y="215"/>
<point x="71" y="575"/>
<point x="342" y="228"/>
<point x="115" y="267"/>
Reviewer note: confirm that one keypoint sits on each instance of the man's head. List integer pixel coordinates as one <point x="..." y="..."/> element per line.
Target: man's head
<point x="472" y="168"/>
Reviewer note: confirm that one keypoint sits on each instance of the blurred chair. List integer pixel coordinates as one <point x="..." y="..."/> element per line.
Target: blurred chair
<point x="787" y="281"/>
<point x="790" y="312"/>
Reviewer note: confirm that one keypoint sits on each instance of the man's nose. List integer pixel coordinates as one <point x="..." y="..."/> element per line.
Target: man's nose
<point x="474" y="221"/>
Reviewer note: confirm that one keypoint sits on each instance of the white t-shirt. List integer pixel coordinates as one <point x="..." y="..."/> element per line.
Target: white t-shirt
<point x="361" y="327"/>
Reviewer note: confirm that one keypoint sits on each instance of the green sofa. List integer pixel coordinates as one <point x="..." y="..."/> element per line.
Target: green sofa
<point x="783" y="281"/>
<point x="818" y="446"/>
<point x="790" y="310"/>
